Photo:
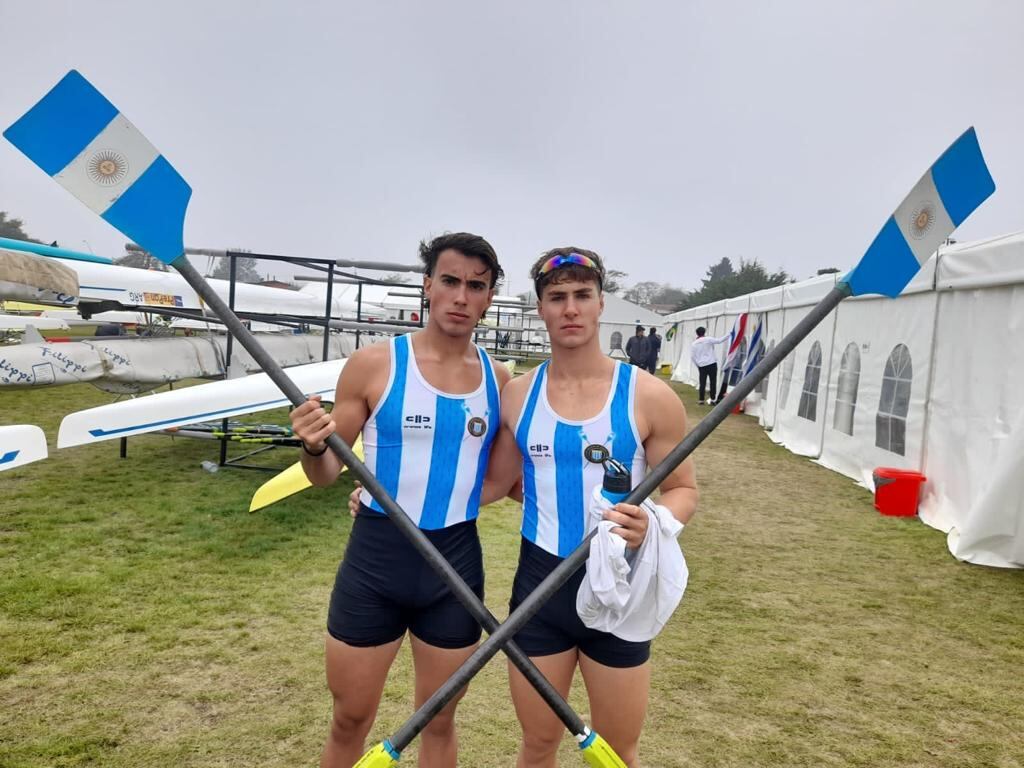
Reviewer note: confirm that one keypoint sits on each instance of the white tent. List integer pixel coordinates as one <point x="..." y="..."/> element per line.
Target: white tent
<point x="619" y="321"/>
<point x="926" y="382"/>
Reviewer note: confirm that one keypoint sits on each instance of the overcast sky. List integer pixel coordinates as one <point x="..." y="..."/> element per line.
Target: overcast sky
<point x="662" y="135"/>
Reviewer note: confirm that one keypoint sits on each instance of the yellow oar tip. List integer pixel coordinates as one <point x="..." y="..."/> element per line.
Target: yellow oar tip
<point x="381" y="756"/>
<point x="598" y="753"/>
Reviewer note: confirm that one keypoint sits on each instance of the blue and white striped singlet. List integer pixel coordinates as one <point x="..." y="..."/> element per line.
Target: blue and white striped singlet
<point x="429" y="449"/>
<point x="557" y="476"/>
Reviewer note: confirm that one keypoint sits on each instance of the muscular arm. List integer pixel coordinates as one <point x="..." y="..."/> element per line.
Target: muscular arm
<point x="663" y="412"/>
<point x="351" y="410"/>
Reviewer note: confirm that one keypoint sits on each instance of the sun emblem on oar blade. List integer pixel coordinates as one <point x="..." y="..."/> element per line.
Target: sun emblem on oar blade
<point x="922" y="219"/>
<point x="107" y="167"/>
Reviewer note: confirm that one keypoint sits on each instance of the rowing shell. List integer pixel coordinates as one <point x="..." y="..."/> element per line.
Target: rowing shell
<point x="217" y="400"/>
<point x="21" y="444"/>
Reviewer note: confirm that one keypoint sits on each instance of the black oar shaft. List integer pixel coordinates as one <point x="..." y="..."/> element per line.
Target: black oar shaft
<point x="443" y="568"/>
<point x="564" y="570"/>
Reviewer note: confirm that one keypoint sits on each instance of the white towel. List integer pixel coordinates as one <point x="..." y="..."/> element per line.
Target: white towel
<point x="632" y="602"/>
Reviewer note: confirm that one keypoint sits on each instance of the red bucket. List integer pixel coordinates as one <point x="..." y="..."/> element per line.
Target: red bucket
<point x="897" y="490"/>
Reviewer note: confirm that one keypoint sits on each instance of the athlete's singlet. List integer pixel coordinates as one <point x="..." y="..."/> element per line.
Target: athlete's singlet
<point x="429" y="448"/>
<point x="562" y="459"/>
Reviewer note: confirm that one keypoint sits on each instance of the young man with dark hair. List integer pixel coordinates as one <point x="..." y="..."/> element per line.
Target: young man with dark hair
<point x="558" y="423"/>
<point x="427" y="406"/>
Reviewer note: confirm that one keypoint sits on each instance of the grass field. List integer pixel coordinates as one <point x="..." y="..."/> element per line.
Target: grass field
<point x="148" y="619"/>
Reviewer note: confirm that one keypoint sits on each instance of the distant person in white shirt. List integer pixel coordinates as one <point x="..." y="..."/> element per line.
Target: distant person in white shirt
<point x="703" y="356"/>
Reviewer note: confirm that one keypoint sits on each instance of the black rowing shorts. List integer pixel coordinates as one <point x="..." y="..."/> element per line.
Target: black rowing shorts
<point x="556" y="627"/>
<point x="384" y="586"/>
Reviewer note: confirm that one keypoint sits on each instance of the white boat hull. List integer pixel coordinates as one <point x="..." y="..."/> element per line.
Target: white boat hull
<point x="21" y="444"/>
<point x="216" y="400"/>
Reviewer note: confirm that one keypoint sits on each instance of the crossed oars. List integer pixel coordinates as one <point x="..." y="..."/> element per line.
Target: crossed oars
<point x="77" y="136"/>
<point x="956" y="184"/>
<point x="147" y="202"/>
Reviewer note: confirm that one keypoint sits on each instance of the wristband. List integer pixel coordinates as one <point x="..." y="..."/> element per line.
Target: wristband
<point x="321" y="452"/>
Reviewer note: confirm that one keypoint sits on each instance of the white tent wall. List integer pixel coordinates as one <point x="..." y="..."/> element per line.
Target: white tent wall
<point x="670" y="347"/>
<point x="949" y="342"/>
<point x="622" y="317"/>
<point x="767" y="304"/>
<point x="974" y="448"/>
<point x="867" y="424"/>
<point x="800" y="409"/>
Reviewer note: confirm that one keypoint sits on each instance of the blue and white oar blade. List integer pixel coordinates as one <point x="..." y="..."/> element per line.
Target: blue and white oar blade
<point x="21" y="444"/>
<point x="80" y="139"/>
<point x="951" y="189"/>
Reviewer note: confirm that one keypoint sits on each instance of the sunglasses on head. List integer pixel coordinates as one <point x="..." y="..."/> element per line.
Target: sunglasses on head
<point x="564" y="260"/>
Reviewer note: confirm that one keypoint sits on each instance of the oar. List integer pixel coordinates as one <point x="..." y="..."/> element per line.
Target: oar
<point x="80" y="139"/>
<point x="290" y="481"/>
<point x="21" y="444"/>
<point x="954" y="186"/>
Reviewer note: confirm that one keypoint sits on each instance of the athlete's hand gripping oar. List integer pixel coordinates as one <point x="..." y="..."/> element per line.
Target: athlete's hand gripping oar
<point x="77" y="136"/>
<point x="954" y="186"/>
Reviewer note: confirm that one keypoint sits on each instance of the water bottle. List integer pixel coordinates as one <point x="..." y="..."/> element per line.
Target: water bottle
<point x="209" y="466"/>
<point x="618" y="481"/>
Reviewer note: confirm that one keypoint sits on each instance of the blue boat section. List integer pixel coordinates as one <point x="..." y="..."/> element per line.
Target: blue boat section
<point x="49" y="250"/>
<point x="8" y="457"/>
<point x="152" y="425"/>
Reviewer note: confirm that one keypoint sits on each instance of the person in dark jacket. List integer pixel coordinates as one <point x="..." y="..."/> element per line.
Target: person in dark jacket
<point x="636" y="348"/>
<point x="653" y="349"/>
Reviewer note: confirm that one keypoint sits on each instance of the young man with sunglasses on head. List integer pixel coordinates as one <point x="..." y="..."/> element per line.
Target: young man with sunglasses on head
<point x="427" y="406"/>
<point x="558" y="423"/>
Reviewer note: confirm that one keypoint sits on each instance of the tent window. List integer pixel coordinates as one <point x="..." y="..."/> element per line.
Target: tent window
<point x="787" y="376"/>
<point x="616" y="341"/>
<point x="846" y="395"/>
<point x="812" y="376"/>
<point x="891" y="421"/>
<point x="762" y="385"/>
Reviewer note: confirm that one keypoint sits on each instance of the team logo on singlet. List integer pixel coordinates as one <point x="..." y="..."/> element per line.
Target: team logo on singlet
<point x="596" y="453"/>
<point x="418" y="421"/>
<point x="476" y="426"/>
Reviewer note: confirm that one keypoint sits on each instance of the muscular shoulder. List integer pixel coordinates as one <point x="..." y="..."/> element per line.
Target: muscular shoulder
<point x="656" y="400"/>
<point x="366" y="367"/>
<point x="366" y="357"/>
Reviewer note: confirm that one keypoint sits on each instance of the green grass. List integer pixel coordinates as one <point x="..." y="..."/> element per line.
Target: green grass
<point x="148" y="619"/>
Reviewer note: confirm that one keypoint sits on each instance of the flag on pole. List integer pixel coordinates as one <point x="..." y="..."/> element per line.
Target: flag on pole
<point x="80" y="139"/>
<point x="954" y="186"/>
<point x="755" y="350"/>
<point x="739" y="330"/>
<point x="672" y="332"/>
